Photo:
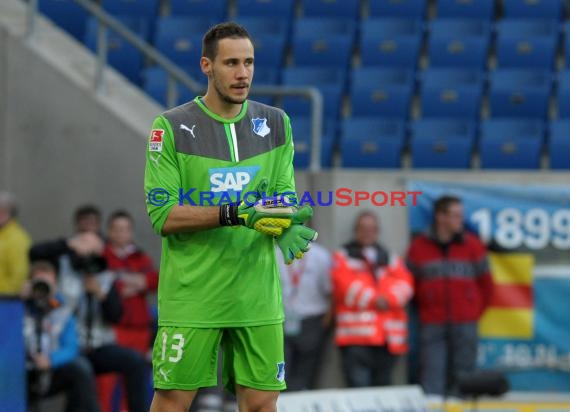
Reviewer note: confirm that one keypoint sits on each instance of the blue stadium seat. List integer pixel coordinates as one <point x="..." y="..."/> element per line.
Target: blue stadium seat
<point x="132" y="8"/>
<point x="459" y="43"/>
<point x="348" y="9"/>
<point x="211" y="9"/>
<point x="504" y="153"/>
<point x="269" y="50"/>
<point x="535" y="9"/>
<point x="378" y="26"/>
<point x="324" y="26"/>
<point x="67" y="14"/>
<point x="381" y="92"/>
<point x="327" y="50"/>
<point x="527" y="43"/>
<point x="274" y="10"/>
<point x="182" y="46"/>
<point x="155" y="84"/>
<point x="172" y="26"/>
<point x="390" y="50"/>
<point x="519" y="93"/>
<point x="258" y="26"/>
<point x="559" y="152"/>
<point x="371" y="134"/>
<point x="372" y="152"/>
<point x="369" y="126"/>
<point x="444" y="127"/>
<point x="441" y="152"/>
<point x="559" y="144"/>
<point x="121" y="55"/>
<point x="511" y="143"/>
<point x="471" y="9"/>
<point x="512" y="129"/>
<point x="459" y="28"/>
<point x="329" y="81"/>
<point x="314" y="76"/>
<point x="563" y="94"/>
<point x="412" y="9"/>
<point x="301" y="127"/>
<point x="451" y="92"/>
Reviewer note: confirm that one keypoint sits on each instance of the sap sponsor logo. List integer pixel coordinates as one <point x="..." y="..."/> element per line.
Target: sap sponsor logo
<point x="231" y="179"/>
<point x="155" y="143"/>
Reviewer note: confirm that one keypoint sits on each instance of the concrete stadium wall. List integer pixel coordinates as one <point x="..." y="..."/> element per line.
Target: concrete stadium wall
<point x="61" y="144"/>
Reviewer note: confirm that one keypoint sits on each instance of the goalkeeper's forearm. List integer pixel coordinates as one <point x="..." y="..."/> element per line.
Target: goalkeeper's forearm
<point x="189" y="218"/>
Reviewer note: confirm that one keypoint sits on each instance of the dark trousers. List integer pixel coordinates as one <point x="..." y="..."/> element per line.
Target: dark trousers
<point x="365" y="366"/>
<point x="447" y="352"/>
<point x="128" y="363"/>
<point x="303" y="354"/>
<point x="77" y="380"/>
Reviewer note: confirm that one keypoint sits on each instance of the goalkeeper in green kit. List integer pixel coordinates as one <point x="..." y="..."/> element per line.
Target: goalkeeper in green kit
<point x="214" y="161"/>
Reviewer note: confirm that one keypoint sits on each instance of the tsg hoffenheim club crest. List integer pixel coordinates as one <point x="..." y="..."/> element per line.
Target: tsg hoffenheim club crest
<point x="260" y="127"/>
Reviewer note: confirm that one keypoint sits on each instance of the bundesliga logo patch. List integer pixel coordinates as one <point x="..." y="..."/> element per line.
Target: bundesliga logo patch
<point x="155" y="143"/>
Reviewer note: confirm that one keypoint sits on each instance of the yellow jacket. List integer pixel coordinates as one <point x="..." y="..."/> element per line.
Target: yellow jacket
<point x="14" y="262"/>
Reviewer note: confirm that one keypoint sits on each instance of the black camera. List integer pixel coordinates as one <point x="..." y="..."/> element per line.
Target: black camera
<point x="40" y="296"/>
<point x="88" y="265"/>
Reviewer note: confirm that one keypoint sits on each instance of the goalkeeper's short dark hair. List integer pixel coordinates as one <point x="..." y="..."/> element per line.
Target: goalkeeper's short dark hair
<point x="219" y="32"/>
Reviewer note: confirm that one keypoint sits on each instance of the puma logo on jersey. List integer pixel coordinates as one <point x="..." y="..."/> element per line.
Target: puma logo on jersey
<point x="164" y="374"/>
<point x="188" y="129"/>
<point x="155" y="159"/>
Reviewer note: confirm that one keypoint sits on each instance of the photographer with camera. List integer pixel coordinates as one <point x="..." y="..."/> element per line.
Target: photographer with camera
<point x="52" y="345"/>
<point x="93" y="296"/>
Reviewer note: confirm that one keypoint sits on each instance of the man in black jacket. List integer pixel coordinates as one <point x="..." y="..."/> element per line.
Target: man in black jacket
<point x="91" y="292"/>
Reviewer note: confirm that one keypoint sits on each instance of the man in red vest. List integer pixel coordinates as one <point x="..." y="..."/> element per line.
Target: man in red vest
<point x="371" y="289"/>
<point x="453" y="288"/>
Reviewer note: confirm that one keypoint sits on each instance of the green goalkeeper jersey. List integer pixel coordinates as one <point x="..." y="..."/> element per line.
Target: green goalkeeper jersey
<point x="225" y="276"/>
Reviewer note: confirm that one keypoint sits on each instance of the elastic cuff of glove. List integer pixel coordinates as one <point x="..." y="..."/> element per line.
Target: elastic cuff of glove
<point x="228" y="215"/>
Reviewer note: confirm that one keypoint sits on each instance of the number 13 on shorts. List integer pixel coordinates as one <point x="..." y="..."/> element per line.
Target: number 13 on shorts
<point x="173" y="345"/>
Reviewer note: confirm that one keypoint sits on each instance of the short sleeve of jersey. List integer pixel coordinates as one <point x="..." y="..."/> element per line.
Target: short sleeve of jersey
<point x="162" y="175"/>
<point x="286" y="174"/>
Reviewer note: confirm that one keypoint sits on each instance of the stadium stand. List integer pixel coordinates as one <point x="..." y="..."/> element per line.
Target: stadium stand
<point x="408" y="61"/>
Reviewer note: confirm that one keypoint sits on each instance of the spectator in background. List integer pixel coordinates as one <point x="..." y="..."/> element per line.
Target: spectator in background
<point x="87" y="218"/>
<point x="453" y="288"/>
<point x="371" y="289"/>
<point x="306" y="295"/>
<point x="14" y="246"/>
<point x="52" y="345"/>
<point x="136" y="277"/>
<point x="92" y="293"/>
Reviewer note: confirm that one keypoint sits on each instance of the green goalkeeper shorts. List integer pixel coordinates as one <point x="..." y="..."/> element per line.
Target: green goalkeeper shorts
<point x="187" y="358"/>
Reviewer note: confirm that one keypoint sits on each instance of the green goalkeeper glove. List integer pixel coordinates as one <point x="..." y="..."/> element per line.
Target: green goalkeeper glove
<point x="270" y="218"/>
<point x="295" y="241"/>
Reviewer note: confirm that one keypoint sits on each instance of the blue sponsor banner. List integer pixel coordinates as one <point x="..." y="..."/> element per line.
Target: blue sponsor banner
<point x="12" y="356"/>
<point x="527" y="219"/>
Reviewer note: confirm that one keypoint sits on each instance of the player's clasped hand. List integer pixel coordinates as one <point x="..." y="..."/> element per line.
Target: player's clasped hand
<point x="295" y="241"/>
<point x="270" y="219"/>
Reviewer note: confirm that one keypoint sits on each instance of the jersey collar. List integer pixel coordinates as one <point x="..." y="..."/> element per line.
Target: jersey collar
<point x="240" y="115"/>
